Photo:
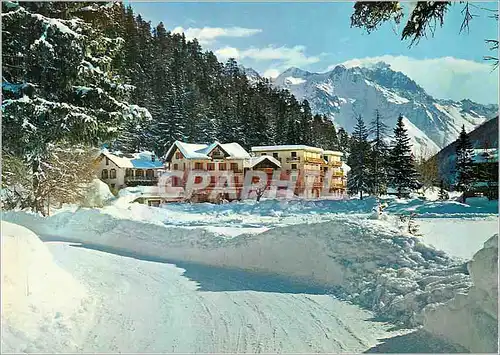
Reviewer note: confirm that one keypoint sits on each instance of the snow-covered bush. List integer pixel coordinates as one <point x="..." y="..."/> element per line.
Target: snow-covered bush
<point x="97" y="194"/>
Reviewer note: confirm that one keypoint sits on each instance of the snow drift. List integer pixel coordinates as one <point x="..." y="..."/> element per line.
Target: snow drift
<point x="98" y="194"/>
<point x="394" y="274"/>
<point x="471" y="319"/>
<point x="41" y="303"/>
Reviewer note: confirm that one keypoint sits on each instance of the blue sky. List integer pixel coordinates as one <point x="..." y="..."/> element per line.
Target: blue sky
<point x="270" y="37"/>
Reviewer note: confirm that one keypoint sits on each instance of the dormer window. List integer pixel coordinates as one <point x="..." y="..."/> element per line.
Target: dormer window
<point x="153" y="158"/>
<point x="217" y="154"/>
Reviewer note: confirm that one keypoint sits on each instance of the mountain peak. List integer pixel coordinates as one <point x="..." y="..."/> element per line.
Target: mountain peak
<point x="294" y="71"/>
<point x="432" y="123"/>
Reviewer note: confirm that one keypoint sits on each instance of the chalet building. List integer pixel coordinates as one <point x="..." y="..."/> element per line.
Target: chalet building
<point x="486" y="173"/>
<point x="336" y="169"/>
<point x="217" y="158"/>
<point x="119" y="171"/>
<point x="308" y="165"/>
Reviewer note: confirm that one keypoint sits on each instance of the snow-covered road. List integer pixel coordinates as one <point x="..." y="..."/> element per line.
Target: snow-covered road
<point x="227" y="278"/>
<point x="146" y="306"/>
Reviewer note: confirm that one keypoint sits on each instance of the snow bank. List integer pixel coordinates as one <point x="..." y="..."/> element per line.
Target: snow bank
<point x="471" y="319"/>
<point x="474" y="207"/>
<point x="366" y="261"/>
<point x="42" y="305"/>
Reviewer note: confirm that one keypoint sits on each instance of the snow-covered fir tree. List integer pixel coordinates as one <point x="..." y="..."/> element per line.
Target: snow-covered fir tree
<point x="58" y="83"/>
<point x="403" y="176"/>
<point x="359" y="160"/>
<point x="379" y="155"/>
<point x="344" y="142"/>
<point x="464" y="162"/>
<point x="443" y="194"/>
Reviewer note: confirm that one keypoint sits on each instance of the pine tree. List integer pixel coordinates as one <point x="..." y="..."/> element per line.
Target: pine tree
<point x="58" y="84"/>
<point x="344" y="142"/>
<point x="464" y="162"/>
<point x="380" y="152"/>
<point x="359" y="160"/>
<point x="402" y="173"/>
<point x="443" y="195"/>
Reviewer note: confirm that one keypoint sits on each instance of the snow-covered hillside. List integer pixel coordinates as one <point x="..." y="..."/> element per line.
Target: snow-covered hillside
<point x="343" y="93"/>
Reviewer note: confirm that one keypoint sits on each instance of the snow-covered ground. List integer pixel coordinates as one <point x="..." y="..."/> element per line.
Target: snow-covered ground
<point x="44" y="308"/>
<point x="155" y="307"/>
<point x="274" y="276"/>
<point x="471" y="319"/>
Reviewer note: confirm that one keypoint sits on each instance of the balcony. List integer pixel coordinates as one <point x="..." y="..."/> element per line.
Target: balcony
<point x="292" y="159"/>
<point x="314" y="160"/>
<point x="141" y="180"/>
<point x="335" y="163"/>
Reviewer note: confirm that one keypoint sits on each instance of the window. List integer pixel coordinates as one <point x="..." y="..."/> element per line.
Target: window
<point x="112" y="186"/>
<point x="275" y="155"/>
<point x="112" y="174"/>
<point x="178" y="155"/>
<point x="176" y="166"/>
<point x="217" y="154"/>
<point x="213" y="179"/>
<point x="262" y="154"/>
<point x="128" y="172"/>
<point x="150" y="173"/>
<point x="104" y="173"/>
<point x="210" y="166"/>
<point x="107" y="161"/>
<point x="139" y="173"/>
<point x="198" y="166"/>
<point x="234" y="167"/>
<point x="293" y="177"/>
<point x="326" y="158"/>
<point x="293" y="154"/>
<point x="294" y="166"/>
<point x="198" y="179"/>
<point x="222" y="166"/>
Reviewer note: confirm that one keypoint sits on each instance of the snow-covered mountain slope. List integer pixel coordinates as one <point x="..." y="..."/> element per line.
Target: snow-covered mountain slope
<point x="344" y="93"/>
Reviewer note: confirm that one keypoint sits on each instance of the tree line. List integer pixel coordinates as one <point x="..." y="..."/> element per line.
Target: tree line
<point x="194" y="98"/>
<point x="379" y="162"/>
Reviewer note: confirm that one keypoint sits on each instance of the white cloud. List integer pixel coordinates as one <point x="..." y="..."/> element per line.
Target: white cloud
<point x="227" y="52"/>
<point x="284" y="56"/>
<point x="271" y="73"/>
<point x="446" y="77"/>
<point x="208" y="35"/>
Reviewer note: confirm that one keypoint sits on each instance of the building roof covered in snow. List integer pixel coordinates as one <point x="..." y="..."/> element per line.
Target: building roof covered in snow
<point x="142" y="160"/>
<point x="254" y="161"/>
<point x="486" y="155"/>
<point x="267" y="148"/>
<point x="202" y="151"/>
<point x="332" y="152"/>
